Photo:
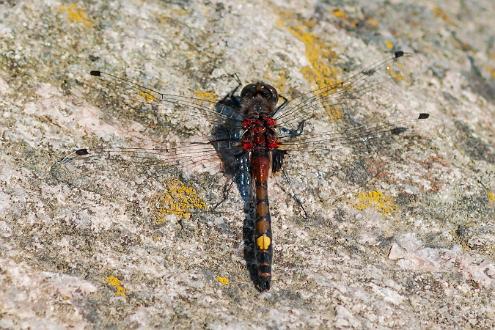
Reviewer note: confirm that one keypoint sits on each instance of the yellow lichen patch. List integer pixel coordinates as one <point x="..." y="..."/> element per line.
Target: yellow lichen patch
<point x="178" y="199"/>
<point x="115" y="283"/>
<point x="76" y="14"/>
<point x="319" y="72"/>
<point x="278" y="79"/>
<point x="440" y="13"/>
<point x="180" y="12"/>
<point x="339" y="13"/>
<point x="206" y="95"/>
<point x="389" y="44"/>
<point x="376" y="199"/>
<point x="149" y="98"/>
<point x="263" y="242"/>
<point x="223" y="280"/>
<point x="281" y="81"/>
<point x="372" y="22"/>
<point x="492" y="72"/>
<point x="396" y="71"/>
<point x="491" y="196"/>
<point x="172" y="17"/>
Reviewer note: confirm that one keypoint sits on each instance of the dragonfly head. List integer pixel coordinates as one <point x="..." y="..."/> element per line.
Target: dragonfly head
<point x="260" y="90"/>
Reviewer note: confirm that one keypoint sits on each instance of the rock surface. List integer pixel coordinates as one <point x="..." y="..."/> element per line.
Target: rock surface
<point x="402" y="237"/>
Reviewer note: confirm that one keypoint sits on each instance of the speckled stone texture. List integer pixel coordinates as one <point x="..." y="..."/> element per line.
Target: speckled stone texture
<point x="399" y="237"/>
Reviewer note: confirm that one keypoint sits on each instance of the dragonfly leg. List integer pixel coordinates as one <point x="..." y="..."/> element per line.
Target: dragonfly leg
<point x="226" y="191"/>
<point x="278" y="160"/>
<point x="230" y="99"/>
<point x="292" y="194"/>
<point x="299" y="130"/>
<point x="292" y="133"/>
<point x="280" y="107"/>
<point x="284" y="103"/>
<point x="238" y="80"/>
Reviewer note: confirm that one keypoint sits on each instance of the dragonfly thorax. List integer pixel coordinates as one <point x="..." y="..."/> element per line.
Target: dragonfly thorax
<point x="258" y="122"/>
<point x="259" y="134"/>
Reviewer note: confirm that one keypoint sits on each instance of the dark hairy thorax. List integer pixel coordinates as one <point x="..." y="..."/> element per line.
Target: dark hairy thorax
<point x="258" y="103"/>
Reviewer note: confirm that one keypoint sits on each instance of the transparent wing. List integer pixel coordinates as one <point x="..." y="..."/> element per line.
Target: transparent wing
<point x="350" y="129"/>
<point x="370" y="88"/>
<point x="152" y="175"/>
<point x="369" y="106"/>
<point x="206" y="134"/>
<point x="203" y="154"/>
<point x="358" y="136"/>
<point x="167" y="110"/>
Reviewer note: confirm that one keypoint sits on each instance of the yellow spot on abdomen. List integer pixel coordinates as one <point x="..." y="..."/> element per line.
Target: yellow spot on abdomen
<point x="376" y="199"/>
<point x="76" y="14"/>
<point x="223" y="280"/>
<point x="178" y="199"/>
<point x="263" y="242"/>
<point x="206" y="95"/>
<point x="117" y="285"/>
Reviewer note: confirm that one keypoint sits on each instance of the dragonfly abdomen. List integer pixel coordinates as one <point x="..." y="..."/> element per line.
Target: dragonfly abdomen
<point x="260" y="169"/>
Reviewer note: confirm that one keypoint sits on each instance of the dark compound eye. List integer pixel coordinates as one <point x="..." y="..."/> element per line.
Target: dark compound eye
<point x="273" y="93"/>
<point x="265" y="91"/>
<point x="248" y="91"/>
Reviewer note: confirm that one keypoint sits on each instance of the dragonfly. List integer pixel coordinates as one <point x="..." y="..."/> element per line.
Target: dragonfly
<point x="255" y="132"/>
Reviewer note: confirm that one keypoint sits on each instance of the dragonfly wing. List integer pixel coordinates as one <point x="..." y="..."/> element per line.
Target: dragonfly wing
<point x="348" y="127"/>
<point x="149" y="175"/>
<point x="87" y="163"/>
<point x="337" y="165"/>
<point x="161" y="109"/>
<point x="208" y="132"/>
<point x="365" y="110"/>
<point x="356" y="98"/>
<point x="356" y="136"/>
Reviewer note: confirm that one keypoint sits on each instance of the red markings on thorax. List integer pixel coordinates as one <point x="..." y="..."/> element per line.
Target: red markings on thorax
<point x="259" y="134"/>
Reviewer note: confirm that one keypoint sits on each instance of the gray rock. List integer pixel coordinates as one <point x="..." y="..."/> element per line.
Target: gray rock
<point x="399" y="231"/>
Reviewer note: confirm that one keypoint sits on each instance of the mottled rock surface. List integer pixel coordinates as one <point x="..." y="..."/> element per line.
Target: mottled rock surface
<point x="399" y="237"/>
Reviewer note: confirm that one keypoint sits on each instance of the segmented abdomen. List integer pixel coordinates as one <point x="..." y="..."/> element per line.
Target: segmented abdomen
<point x="260" y="169"/>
